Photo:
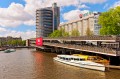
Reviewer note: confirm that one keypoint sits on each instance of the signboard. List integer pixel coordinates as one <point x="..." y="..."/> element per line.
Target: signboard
<point x="80" y="15"/>
<point x="39" y="41"/>
<point x="86" y="14"/>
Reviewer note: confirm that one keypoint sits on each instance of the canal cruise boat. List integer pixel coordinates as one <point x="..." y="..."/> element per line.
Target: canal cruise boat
<point x="84" y="61"/>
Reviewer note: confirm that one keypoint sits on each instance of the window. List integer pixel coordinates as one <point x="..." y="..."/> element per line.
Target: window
<point x="77" y="59"/>
<point x="96" y="21"/>
<point x="67" y="59"/>
<point x="82" y="59"/>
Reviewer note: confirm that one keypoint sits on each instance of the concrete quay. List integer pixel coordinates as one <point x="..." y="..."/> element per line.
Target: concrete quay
<point x="114" y="67"/>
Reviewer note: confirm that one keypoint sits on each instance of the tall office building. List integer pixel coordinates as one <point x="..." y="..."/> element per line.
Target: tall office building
<point x="47" y="20"/>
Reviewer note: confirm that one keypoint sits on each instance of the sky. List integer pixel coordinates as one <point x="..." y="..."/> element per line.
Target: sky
<point x="17" y="17"/>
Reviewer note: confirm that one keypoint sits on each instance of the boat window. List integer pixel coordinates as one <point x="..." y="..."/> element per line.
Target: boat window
<point x="69" y="58"/>
<point x="63" y="58"/>
<point x="90" y="58"/>
<point x="72" y="59"/>
<point x="66" y="58"/>
<point x="94" y="58"/>
<point x="82" y="59"/>
<point x="76" y="59"/>
<point x="100" y="58"/>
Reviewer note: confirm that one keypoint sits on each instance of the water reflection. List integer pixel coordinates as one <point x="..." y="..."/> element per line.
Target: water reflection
<point x="31" y="64"/>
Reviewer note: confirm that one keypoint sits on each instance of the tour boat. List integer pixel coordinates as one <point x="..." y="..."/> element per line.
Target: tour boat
<point x="84" y="61"/>
<point x="9" y="50"/>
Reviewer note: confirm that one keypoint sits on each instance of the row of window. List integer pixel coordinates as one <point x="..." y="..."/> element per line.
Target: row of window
<point x="76" y="59"/>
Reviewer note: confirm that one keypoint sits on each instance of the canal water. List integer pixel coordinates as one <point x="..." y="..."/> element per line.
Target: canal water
<point x="31" y="64"/>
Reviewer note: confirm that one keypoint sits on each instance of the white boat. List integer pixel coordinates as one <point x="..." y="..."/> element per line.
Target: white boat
<point x="90" y="62"/>
<point x="9" y="50"/>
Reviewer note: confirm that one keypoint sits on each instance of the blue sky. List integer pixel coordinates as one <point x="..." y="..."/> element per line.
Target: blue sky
<point x="17" y="17"/>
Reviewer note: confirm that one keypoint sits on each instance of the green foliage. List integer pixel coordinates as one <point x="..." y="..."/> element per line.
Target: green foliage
<point x="24" y="42"/>
<point x="59" y="33"/>
<point x="62" y="33"/>
<point x="13" y="43"/>
<point x="110" y="22"/>
<point x="56" y="33"/>
<point x="65" y="34"/>
<point x="89" y="32"/>
<point x="75" y="33"/>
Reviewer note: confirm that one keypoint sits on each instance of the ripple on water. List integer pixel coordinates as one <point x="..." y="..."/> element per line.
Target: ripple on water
<point x="30" y="64"/>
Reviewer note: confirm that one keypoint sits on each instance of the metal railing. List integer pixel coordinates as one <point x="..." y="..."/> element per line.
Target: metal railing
<point x="100" y="50"/>
<point x="100" y="38"/>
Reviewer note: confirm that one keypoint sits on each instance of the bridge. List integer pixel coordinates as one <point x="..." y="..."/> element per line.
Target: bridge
<point x="105" y="45"/>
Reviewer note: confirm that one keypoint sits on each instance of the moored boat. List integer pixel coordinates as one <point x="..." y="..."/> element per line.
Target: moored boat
<point x="84" y="61"/>
<point x="9" y="50"/>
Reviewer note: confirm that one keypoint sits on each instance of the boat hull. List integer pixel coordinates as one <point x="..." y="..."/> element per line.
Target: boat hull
<point x="9" y="50"/>
<point x="82" y="64"/>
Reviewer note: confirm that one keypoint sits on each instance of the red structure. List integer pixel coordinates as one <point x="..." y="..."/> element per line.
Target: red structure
<point x="39" y="41"/>
<point x="80" y="15"/>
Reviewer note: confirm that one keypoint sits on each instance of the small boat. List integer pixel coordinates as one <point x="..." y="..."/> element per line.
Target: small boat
<point x="9" y="50"/>
<point x="84" y="61"/>
<point x="2" y="49"/>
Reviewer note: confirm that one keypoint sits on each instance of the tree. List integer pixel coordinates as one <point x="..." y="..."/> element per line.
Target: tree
<point x="64" y="34"/>
<point x="9" y="42"/>
<point x="75" y="33"/>
<point x="24" y="42"/>
<point x="59" y="33"/>
<point x="15" y="43"/>
<point x="56" y="33"/>
<point x="89" y="32"/>
<point x="110" y="22"/>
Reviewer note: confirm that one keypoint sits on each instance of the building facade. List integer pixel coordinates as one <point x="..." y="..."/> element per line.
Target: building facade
<point x="47" y="20"/>
<point x="88" y="20"/>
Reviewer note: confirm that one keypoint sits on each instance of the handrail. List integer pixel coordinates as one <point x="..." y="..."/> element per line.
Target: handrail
<point x="100" y="50"/>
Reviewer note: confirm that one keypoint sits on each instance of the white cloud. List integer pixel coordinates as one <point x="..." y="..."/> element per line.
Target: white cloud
<point x="115" y="4"/>
<point x="61" y="22"/>
<point x="25" y="35"/>
<point x="73" y="14"/>
<point x="106" y="6"/>
<point x="83" y="6"/>
<point x="30" y="22"/>
<point x="93" y="1"/>
<point x="19" y="14"/>
<point x="14" y="15"/>
<point x="2" y="29"/>
<point x="32" y="5"/>
<point x="11" y="23"/>
<point x="80" y="5"/>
